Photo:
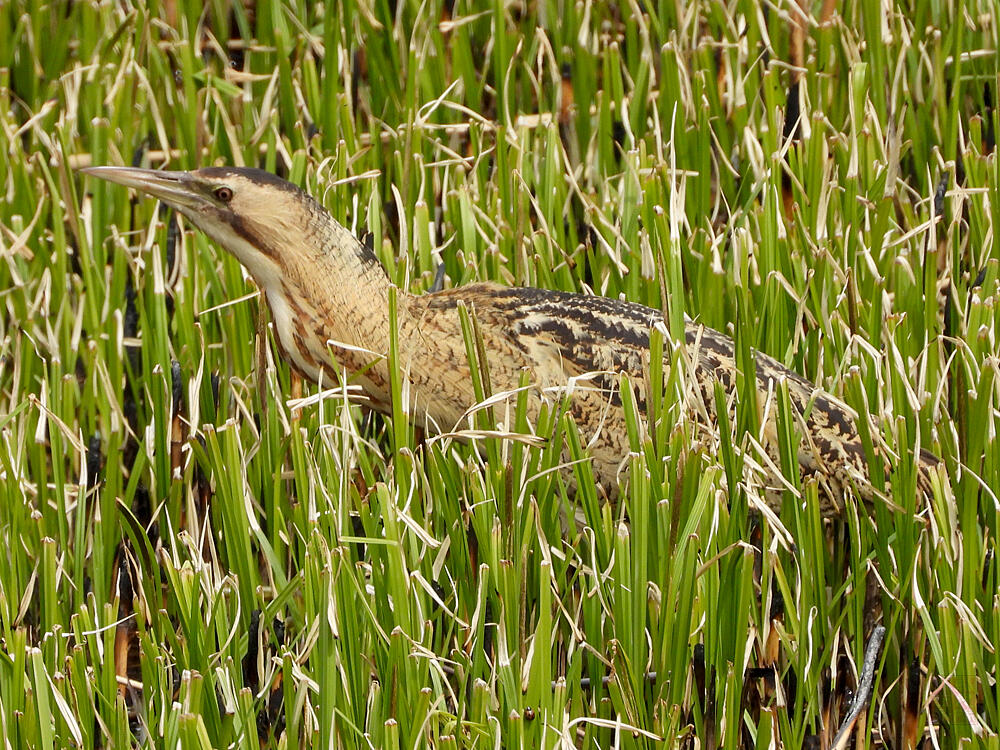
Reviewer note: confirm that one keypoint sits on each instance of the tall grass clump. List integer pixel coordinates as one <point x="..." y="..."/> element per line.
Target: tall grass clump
<point x="201" y="550"/>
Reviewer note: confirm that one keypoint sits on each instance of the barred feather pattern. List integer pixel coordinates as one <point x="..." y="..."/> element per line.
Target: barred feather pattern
<point x="586" y="343"/>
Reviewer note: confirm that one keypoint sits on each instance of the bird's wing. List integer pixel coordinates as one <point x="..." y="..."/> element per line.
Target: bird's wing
<point x="561" y="335"/>
<point x="588" y="333"/>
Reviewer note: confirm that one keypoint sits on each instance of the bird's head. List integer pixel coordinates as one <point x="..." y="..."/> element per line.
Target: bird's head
<point x="270" y="225"/>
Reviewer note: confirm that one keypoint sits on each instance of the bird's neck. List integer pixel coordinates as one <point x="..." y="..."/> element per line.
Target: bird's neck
<point x="330" y="301"/>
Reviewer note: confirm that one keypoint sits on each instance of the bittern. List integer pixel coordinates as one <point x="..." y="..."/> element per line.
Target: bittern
<point x="328" y="296"/>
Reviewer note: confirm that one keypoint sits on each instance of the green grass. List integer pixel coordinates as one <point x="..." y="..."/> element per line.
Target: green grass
<point x="418" y="591"/>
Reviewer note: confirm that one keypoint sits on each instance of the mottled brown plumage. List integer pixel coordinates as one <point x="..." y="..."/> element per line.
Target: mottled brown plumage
<point x="329" y="300"/>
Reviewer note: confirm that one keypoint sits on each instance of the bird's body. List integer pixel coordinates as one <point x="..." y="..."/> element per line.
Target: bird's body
<point x="328" y="296"/>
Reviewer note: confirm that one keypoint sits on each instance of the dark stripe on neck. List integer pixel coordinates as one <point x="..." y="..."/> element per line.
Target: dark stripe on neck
<point x="242" y="229"/>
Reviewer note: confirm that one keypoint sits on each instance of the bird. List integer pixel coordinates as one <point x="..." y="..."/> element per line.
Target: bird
<point x="329" y="300"/>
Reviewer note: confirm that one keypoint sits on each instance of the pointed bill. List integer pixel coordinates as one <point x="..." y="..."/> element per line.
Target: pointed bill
<point x="176" y="189"/>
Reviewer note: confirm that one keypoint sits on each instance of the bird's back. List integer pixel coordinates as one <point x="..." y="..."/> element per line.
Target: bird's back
<point x="591" y="341"/>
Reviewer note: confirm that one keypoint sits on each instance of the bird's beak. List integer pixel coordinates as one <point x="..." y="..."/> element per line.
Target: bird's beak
<point x="176" y="189"/>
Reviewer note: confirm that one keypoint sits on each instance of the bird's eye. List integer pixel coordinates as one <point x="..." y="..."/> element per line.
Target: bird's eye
<point x="224" y="194"/>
